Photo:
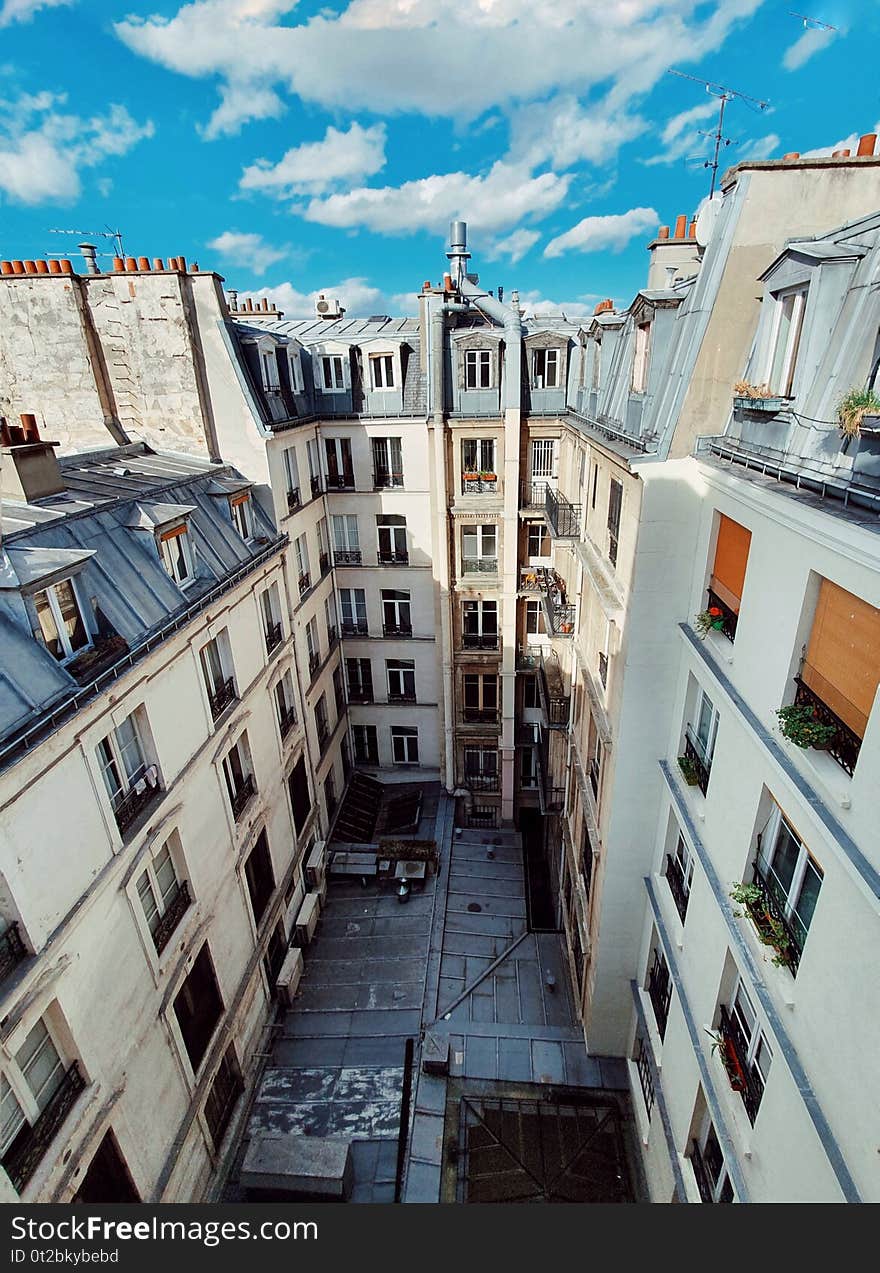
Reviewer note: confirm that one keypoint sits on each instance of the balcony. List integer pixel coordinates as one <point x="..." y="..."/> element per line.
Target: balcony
<point x="242" y="796"/>
<point x="359" y="629"/>
<point x="481" y="781"/>
<point x="392" y="559"/>
<point x="33" y="1140"/>
<point x="314" y="662"/>
<point x="173" y="914"/>
<point x="728" y="617"/>
<point x="304" y="583"/>
<point x="563" y="518"/>
<point x="387" y="479"/>
<point x="128" y="806"/>
<point x="360" y="694"/>
<point x="743" y="1077"/>
<point x="222" y="696"/>
<point x="477" y="484"/>
<point x="340" y="481"/>
<point x="774" y="928"/>
<point x="287" y="722"/>
<point x="347" y="557"/>
<point x="534" y="494"/>
<point x="677" y="887"/>
<point x="323" y="563"/>
<point x="480" y="715"/>
<point x="479" y="640"/>
<point x="698" y="765"/>
<point x="559" y="614"/>
<point x="397" y="629"/>
<point x="405" y="696"/>
<point x="479" y="565"/>
<point x="274" y="635"/>
<point x="555" y="702"/>
<point x="293" y="499"/>
<point x="844" y="744"/>
<point x="12" y="950"/>
<point x="660" y="991"/>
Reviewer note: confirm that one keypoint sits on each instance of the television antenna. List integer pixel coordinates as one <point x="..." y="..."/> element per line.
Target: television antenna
<point x="811" y="23"/>
<point x="724" y="95"/>
<point x="115" y="235"/>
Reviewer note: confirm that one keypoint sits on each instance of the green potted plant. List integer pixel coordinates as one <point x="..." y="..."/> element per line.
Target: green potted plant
<point x="727" y="1052"/>
<point x="852" y="409"/>
<point x="689" y="770"/>
<point x="801" y="725"/>
<point x="711" y="620"/>
<point x="771" y="931"/>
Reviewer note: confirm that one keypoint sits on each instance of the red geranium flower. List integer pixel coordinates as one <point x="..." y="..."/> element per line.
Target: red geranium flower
<point x="714" y="611"/>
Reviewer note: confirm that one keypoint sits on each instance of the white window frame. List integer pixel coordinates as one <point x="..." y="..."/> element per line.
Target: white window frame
<point x="362" y="730"/>
<point x="353" y="601"/>
<point x="382" y="371"/>
<point x="741" y="1008"/>
<point x="478" y="369"/>
<point x="345" y="532"/>
<point x="543" y="538"/>
<point x="481" y="678"/>
<point x="291" y="468"/>
<point x="535" y="619"/>
<point x="484" y="455"/>
<point x="396" y="534"/>
<point x="706" y="1130"/>
<point x="57" y="618"/>
<point x="487" y="761"/>
<point x="116" y="759"/>
<point x="544" y="379"/>
<point x="480" y="533"/>
<point x="544" y="456"/>
<point x="685" y="859"/>
<point x="640" y="357"/>
<point x="408" y="752"/>
<point x="301" y="545"/>
<point x="403" y="676"/>
<point x="708" y="744"/>
<point x="481" y="611"/>
<point x="332" y="373"/>
<point x="242" y="515"/>
<point x="17" y="1087"/>
<point x="269" y="369"/>
<point x="397" y="603"/>
<point x="242" y="749"/>
<point x="149" y="873"/>
<point x="805" y="860"/>
<point x="798" y="296"/>
<point x="284" y="684"/>
<point x="294" y="367"/>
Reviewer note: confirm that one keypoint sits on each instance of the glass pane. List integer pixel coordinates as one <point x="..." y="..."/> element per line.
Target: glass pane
<point x="148" y="901"/>
<point x="70" y="615"/>
<point x="109" y="769"/>
<point x="166" y="876"/>
<point x="809" y="895"/>
<point x="48" y="629"/>
<point x="11" y="1116"/>
<point x="704" y="722"/>
<point x="40" y="1064"/>
<point x="130" y="748"/>
<point x="785" y="859"/>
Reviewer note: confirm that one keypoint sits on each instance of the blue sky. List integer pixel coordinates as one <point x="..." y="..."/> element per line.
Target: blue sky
<point x="304" y="147"/>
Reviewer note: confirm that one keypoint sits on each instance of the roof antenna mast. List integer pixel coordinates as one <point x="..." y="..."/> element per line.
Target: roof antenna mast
<point x="724" y="95"/>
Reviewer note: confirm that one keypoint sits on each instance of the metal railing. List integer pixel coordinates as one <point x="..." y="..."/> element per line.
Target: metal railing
<point x="129" y="805"/>
<point x="701" y="1173"/>
<point x="29" y="1147"/>
<point x="660" y="991"/>
<point x="287" y="722"/>
<point x="405" y="696"/>
<point x="556" y="705"/>
<point x="361" y="628"/>
<point x="340" y="481"/>
<point x="293" y="499"/>
<point x="222" y="696"/>
<point x="360" y="694"/>
<point x="772" y="901"/>
<point x="559" y="614"/>
<point x="563" y="517"/>
<point x="603" y="669"/>
<point x="315" y="484"/>
<point x="323" y="563"/>
<point x="742" y="1075"/>
<point x="481" y="781"/>
<point x="392" y="559"/>
<point x="242" y="796"/>
<point x="479" y="565"/>
<point x="728" y="616"/>
<point x="274" y="634"/>
<point x="479" y="640"/>
<point x="304" y="583"/>
<point x="347" y="557"/>
<point x="677" y="887"/>
<point x="314" y="661"/>
<point x="845" y="744"/>
<point x="534" y="494"/>
<point x="479" y="485"/>
<point x="397" y="629"/>
<point x="387" y="478"/>
<point x="646" y="1078"/>
<point x="171" y="917"/>
<point x="480" y="715"/>
<point x="12" y="950"/>
<point x="332" y="636"/>
<point x="693" y="750"/>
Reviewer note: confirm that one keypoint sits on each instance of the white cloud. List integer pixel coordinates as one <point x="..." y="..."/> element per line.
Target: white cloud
<point x="450" y="58"/>
<point x="24" y="10"/>
<point x="505" y="196"/>
<point x="241" y="102"/>
<point x="43" y="148"/>
<point x="514" y="245"/>
<point x="534" y="305"/>
<point x="811" y="41"/>
<point x="316" y="167"/>
<point x="250" y="251"/>
<point x="564" y="132"/>
<point x="357" y="296"/>
<point x="611" y="233"/>
<point x="759" y="148"/>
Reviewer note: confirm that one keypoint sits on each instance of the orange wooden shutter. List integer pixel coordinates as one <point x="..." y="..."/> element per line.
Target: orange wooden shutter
<point x="731" y="558"/>
<point x="239" y="499"/>
<point x="843" y="655"/>
<point x="172" y="534"/>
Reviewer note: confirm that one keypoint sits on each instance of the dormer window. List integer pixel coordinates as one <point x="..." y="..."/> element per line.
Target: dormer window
<point x="382" y="371"/>
<point x="640" y="358"/>
<point x="295" y="369"/>
<point x="176" y="551"/>
<point x="270" y="370"/>
<point x="545" y="368"/>
<point x="331" y="371"/>
<point x="478" y="369"/>
<point x="242" y="515"/>
<point x="788" y="321"/>
<point x="62" y="624"/>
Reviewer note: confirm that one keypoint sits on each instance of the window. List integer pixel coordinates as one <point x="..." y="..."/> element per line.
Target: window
<point x="538" y="540"/>
<point x="401" y="675"/>
<point x="479" y="625"/>
<point x="785" y="339"/>
<point x="107" y="1178"/>
<point x="331" y="372"/>
<point x="162" y="895"/>
<point x="269" y="365"/>
<point x="543" y="459"/>
<point x="314" y="465"/>
<point x="322" y="728"/>
<point x="130" y="782"/>
<point x="640" y="358"/>
<point x="285" y="704"/>
<point x="478" y="369"/>
<point x="177" y="555"/>
<point x="615" y="503"/>
<point x="346" y="543"/>
<point x="300" y="797"/>
<point x="329" y="794"/>
<point x="313" y="646"/>
<point x="270" y="609"/>
<point x="481" y="767"/>
<point x="62" y="625"/>
<point x="323" y="546"/>
<point x="291" y="477"/>
<point x="391" y="531"/>
<point x="596" y="767"/>
<point x="790" y="876"/>
<point x="546" y="366"/>
<point x="338" y="690"/>
<point x="404" y="745"/>
<point x="353" y="608"/>
<point x="679" y="875"/>
<point x="528" y="777"/>
<point x="710" y="1171"/>
<point x="752" y="1053"/>
<point x="382" y="371"/>
<point x="198" y="1007"/>
<point x="359" y="675"/>
<point x="534" y="618"/>
<point x="340" y="473"/>
<point x="479" y="548"/>
<point x="642" y="1060"/>
<point x="729" y="571"/>
<point x="36" y="1083"/>
<point x="330" y="621"/>
<point x="259" y="877"/>
<point x="238" y="773"/>
<point x="706" y="728"/>
<point x="595" y="485"/>
<point x="276" y="949"/>
<point x="226" y="1088"/>
<point x="366" y="744"/>
<point x="396" y="617"/>
<point x="387" y="462"/>
<point x="530" y="691"/>
<point x="294" y="368"/>
<point x="301" y="546"/>
<point x="480" y="696"/>
<point x="660" y="990"/>
<point x="586" y="856"/>
<point x="478" y="457"/>
<point x="597" y="363"/>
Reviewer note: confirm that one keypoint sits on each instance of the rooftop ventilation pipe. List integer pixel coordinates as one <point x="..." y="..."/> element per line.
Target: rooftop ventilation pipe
<point x="89" y="253"/>
<point x="504" y="315"/>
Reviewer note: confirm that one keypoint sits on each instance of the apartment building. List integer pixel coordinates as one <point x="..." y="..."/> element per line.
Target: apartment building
<point x="157" y="802"/>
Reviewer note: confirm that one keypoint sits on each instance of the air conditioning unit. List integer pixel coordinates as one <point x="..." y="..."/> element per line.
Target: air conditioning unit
<point x="328" y="307"/>
<point x="316" y="865"/>
<point x="289" y="976"/>
<point x="307" y="919"/>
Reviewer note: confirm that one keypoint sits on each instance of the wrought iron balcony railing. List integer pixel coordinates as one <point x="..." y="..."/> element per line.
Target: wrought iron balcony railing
<point x="481" y="781"/>
<point x="385" y="478"/>
<point x="677" y="887"/>
<point x="479" y="640"/>
<point x="274" y="634"/>
<point x="603" y="668"/>
<point x="332" y="635"/>
<point x="660" y="991"/>
<point x="242" y="796"/>
<point x="693" y="750"/>
<point x="480" y="715"/>
<point x="555" y="703"/>
<point x="24" y="1155"/>
<point x="701" y="1173"/>
<point x="340" y="481"/>
<point x="171" y="917"/>
<point x="359" y="629"/>
<point x="222" y="696"/>
<point x="293" y="498"/>
<point x="744" y="1077"/>
<point x="287" y="722"/>
<point x="12" y="950"/>
<point x="129" y="806"/>
<point x="479" y="565"/>
<point x="397" y="629"/>
<point x="347" y="557"/>
<point x="563" y="518"/>
<point x="314" y="661"/>
<point x="404" y="696"/>
<point x="304" y="583"/>
<point x="643" y="1066"/>
<point x="360" y="694"/>
<point x="534" y="494"/>
<point x="323" y="563"/>
<point x="845" y="744"/>
<point x="479" y="485"/>
<point x="392" y="558"/>
<point x="728" y="616"/>
<point x="772" y="903"/>
<point x="315" y="484"/>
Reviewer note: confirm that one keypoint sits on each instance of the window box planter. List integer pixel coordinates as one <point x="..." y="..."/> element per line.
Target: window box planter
<point x="802" y="724"/>
<point x="730" y="1061"/>
<point x="770" y="929"/>
<point x="763" y="406"/>
<point x="711" y="620"/>
<point x="689" y="771"/>
<point x="470" y="477"/>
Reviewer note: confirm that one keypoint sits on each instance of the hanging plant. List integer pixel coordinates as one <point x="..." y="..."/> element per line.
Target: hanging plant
<point x="852" y="409"/>
<point x="711" y="620"/>
<point x="801" y="725"/>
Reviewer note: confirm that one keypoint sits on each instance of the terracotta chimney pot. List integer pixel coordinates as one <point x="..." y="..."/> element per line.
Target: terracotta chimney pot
<point x="681" y="224"/>
<point x="6" y="267"/>
<point x="54" y="267"/>
<point x="66" y="265"/>
<point x="841" y="154"/>
<point x="143" y="262"/>
<point x="42" y="267"/>
<point x="30" y="267"/>
<point x="157" y="263"/>
<point x="867" y="142"/>
<point x="663" y="232"/>
<point x="131" y="264"/>
<point x="118" y="264"/>
<point x="181" y="264"/>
